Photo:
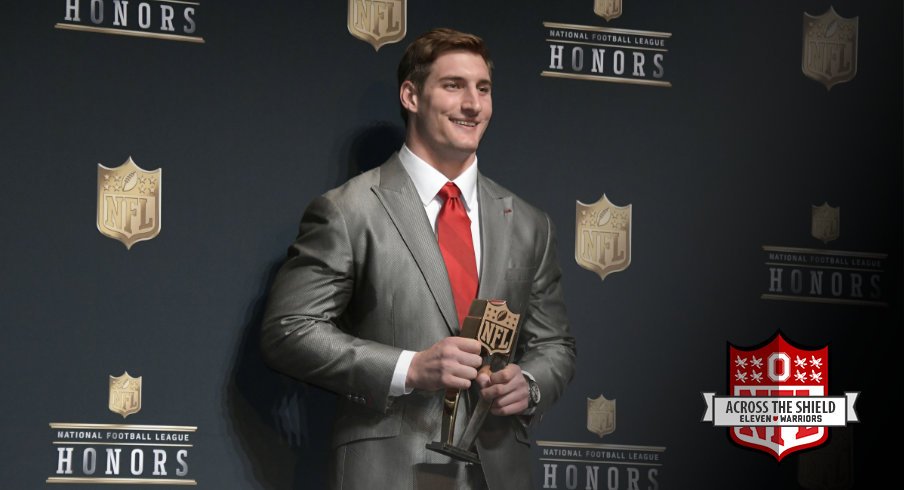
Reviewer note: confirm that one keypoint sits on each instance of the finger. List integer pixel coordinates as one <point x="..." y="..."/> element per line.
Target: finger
<point x="451" y="381"/>
<point x="468" y="359"/>
<point x="500" y="377"/>
<point x="489" y="392"/>
<point x="452" y="349"/>
<point x="507" y="374"/>
<point x="461" y="371"/>
<point x="508" y="409"/>
<point x="494" y="391"/>
<point x="510" y="398"/>
<point x="468" y="345"/>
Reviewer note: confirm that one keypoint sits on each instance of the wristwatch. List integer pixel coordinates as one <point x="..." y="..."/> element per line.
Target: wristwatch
<point x="533" y="390"/>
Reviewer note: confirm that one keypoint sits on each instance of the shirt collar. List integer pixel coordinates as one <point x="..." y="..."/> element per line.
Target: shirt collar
<point x="428" y="180"/>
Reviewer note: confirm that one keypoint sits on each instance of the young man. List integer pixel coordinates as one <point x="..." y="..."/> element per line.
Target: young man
<point x="371" y="298"/>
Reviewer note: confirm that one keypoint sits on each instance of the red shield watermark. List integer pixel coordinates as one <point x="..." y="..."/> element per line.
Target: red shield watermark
<point x="778" y="369"/>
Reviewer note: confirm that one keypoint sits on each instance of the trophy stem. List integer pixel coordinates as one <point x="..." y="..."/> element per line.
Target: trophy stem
<point x="450" y="410"/>
<point x="474" y="423"/>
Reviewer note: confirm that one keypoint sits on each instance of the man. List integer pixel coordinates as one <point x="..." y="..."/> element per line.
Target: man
<point x="370" y="301"/>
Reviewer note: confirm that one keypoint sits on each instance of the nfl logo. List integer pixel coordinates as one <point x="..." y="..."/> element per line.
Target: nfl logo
<point x="830" y="48"/>
<point x="602" y="241"/>
<point x="600" y="416"/>
<point x="125" y="394"/>
<point x="378" y="22"/>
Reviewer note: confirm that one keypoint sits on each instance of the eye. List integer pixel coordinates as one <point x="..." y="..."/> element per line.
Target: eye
<point x="451" y="85"/>
<point x="485" y="89"/>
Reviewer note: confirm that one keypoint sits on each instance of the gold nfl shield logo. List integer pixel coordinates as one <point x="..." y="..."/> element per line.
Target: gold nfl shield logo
<point x="603" y="237"/>
<point x="826" y="222"/>
<point x="125" y="394"/>
<point x="607" y="9"/>
<point x="600" y="416"/>
<point x="128" y="202"/>
<point x="378" y="22"/>
<point x="498" y="328"/>
<point x="830" y="48"/>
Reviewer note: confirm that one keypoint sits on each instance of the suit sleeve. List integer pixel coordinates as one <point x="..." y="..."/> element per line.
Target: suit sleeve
<point x="304" y="332"/>
<point x="547" y="348"/>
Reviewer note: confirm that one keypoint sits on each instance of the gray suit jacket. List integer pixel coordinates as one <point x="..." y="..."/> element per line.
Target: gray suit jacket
<point x="364" y="280"/>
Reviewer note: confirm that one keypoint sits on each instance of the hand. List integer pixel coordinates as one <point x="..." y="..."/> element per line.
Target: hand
<point x="507" y="388"/>
<point x="449" y="363"/>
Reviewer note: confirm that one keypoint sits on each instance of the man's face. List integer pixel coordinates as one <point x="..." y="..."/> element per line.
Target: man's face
<point x="452" y="110"/>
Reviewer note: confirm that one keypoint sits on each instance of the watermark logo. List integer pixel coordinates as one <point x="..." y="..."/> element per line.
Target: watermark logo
<point x="778" y="399"/>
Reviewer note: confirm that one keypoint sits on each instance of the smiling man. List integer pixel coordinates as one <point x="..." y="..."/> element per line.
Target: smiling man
<point x="372" y="296"/>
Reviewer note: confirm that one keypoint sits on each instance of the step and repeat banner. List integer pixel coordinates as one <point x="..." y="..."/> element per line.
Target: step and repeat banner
<point x="725" y="179"/>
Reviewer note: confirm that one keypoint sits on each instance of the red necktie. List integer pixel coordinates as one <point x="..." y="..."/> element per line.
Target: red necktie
<point x="453" y="231"/>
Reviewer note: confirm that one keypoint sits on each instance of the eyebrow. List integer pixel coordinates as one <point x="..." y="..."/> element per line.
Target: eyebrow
<point x="456" y="78"/>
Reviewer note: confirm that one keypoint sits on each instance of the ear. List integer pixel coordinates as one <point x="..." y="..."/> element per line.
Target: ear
<point x="408" y="96"/>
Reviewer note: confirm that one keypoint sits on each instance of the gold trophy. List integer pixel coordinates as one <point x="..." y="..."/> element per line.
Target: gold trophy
<point x="496" y="327"/>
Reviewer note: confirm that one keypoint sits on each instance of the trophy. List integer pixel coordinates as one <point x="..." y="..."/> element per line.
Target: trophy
<point x="496" y="327"/>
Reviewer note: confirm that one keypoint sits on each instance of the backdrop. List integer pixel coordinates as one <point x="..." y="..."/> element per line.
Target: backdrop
<point x="750" y="154"/>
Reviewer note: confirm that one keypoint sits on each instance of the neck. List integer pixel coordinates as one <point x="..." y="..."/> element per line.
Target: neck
<point x="449" y="165"/>
<point x="451" y="169"/>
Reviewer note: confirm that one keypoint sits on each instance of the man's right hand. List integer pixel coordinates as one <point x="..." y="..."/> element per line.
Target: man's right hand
<point x="450" y="363"/>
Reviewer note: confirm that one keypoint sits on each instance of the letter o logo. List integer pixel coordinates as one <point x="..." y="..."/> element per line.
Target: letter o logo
<point x="782" y="372"/>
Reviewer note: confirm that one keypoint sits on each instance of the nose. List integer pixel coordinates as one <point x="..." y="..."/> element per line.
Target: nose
<point x="471" y="104"/>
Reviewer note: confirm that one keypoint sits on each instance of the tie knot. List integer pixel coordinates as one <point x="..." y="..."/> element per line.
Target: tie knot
<point x="449" y="190"/>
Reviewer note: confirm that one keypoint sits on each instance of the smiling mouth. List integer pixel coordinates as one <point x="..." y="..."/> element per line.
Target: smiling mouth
<point x="467" y="124"/>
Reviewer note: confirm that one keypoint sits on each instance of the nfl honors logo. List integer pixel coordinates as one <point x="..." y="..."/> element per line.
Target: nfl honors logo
<point x="378" y="22"/>
<point x="128" y="202"/>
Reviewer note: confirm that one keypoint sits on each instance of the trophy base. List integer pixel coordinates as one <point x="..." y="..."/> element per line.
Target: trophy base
<point x="454" y="452"/>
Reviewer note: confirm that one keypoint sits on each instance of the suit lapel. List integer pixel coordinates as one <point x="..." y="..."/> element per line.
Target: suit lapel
<point x="400" y="199"/>
<point x="495" y="221"/>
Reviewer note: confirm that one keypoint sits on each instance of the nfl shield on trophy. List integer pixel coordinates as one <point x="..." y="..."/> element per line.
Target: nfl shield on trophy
<point x="496" y="327"/>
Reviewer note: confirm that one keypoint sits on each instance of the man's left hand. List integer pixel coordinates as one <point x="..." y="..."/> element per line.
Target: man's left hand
<point x="507" y="388"/>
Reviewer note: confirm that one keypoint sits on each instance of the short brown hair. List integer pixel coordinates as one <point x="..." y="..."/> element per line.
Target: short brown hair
<point x="423" y="51"/>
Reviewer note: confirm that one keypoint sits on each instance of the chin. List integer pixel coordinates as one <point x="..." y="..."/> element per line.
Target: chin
<point x="468" y="146"/>
<point x="466" y="149"/>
